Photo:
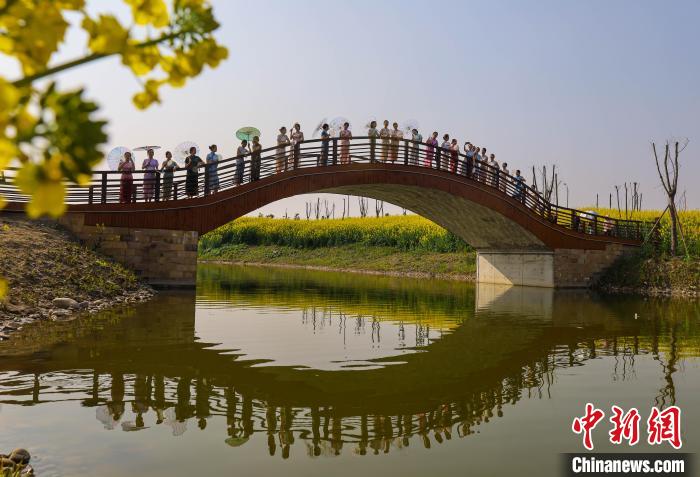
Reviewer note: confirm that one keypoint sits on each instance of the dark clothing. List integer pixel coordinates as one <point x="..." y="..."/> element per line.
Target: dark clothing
<point x="255" y="163"/>
<point x="192" y="164"/>
<point x="325" y="143"/>
<point x="240" y="167"/>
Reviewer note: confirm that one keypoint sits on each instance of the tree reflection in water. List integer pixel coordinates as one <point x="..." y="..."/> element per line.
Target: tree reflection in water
<point x="142" y="367"/>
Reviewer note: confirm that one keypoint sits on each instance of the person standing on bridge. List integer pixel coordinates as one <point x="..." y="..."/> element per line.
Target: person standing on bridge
<point x="494" y="170"/>
<point x="396" y="136"/>
<point x="325" y="143"/>
<point x="519" y="186"/>
<point x="454" y="155"/>
<point x="469" y="153"/>
<point x="415" y="149"/>
<point x="444" y="153"/>
<point x="297" y="138"/>
<point x="281" y="156"/>
<point x="242" y="151"/>
<point x="432" y="144"/>
<point x="192" y="164"/>
<point x="126" y="182"/>
<point x="150" y="165"/>
<point x="373" y="135"/>
<point x="477" y="164"/>
<point x="212" y="169"/>
<point x="345" y="136"/>
<point x="505" y="173"/>
<point x="255" y="159"/>
<point x="168" y="168"/>
<point x="484" y="166"/>
<point x="385" y="135"/>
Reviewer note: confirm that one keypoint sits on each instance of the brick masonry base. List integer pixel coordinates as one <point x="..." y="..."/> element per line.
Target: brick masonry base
<point x="561" y="268"/>
<point x="581" y="268"/>
<point x="163" y="258"/>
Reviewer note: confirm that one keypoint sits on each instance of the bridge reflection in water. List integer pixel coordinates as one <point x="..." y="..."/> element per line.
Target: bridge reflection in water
<point x="466" y="359"/>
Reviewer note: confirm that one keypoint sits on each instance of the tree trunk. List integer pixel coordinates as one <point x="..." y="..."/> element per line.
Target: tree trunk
<point x="674" y="224"/>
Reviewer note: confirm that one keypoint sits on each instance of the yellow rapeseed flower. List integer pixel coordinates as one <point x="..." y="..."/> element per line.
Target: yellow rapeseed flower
<point x="150" y="12"/>
<point x="107" y="35"/>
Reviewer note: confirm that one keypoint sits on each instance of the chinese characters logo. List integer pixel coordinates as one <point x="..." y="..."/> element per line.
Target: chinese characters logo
<point x="662" y="426"/>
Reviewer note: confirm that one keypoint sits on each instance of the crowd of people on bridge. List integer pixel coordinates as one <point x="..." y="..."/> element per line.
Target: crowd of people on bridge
<point x="383" y="146"/>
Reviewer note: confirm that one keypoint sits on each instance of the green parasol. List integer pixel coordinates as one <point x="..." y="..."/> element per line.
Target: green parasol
<point x="236" y="441"/>
<point x="247" y="133"/>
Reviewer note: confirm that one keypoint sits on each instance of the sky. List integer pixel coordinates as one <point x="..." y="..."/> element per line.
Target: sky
<point x="583" y="85"/>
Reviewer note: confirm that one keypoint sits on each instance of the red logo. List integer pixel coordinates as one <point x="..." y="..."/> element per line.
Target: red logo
<point x="662" y="426"/>
<point x="587" y="423"/>
<point x="626" y="426"/>
<point x="665" y="426"/>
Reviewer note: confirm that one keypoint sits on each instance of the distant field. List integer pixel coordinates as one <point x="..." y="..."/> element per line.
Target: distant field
<point x="405" y="233"/>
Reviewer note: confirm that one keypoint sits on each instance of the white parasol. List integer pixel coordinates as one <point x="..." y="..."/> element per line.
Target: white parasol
<point x="115" y="156"/>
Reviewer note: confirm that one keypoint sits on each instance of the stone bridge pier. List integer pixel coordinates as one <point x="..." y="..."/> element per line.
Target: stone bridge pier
<point x="560" y="268"/>
<point x="160" y="257"/>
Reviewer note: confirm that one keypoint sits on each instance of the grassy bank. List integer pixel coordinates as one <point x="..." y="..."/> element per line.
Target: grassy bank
<point x="652" y="270"/>
<point x="408" y="245"/>
<point x="354" y="257"/>
<point x="41" y="262"/>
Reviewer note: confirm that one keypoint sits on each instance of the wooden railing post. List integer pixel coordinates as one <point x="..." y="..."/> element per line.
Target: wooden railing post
<point x="206" y="179"/>
<point x="335" y="151"/>
<point x="405" y="153"/>
<point x="103" y="191"/>
<point x="175" y="190"/>
<point x="90" y="192"/>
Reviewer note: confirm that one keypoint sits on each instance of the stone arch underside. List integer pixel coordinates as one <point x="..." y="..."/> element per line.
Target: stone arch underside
<point x="479" y="226"/>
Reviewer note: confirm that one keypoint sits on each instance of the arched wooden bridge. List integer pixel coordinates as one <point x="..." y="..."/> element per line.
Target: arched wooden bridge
<point x="519" y="235"/>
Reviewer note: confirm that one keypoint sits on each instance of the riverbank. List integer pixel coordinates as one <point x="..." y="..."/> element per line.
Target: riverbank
<point x="356" y="258"/>
<point x="415" y="247"/>
<point x="50" y="276"/>
<point x="651" y="275"/>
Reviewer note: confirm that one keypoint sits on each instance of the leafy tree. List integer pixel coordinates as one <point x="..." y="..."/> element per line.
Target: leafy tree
<point x="54" y="134"/>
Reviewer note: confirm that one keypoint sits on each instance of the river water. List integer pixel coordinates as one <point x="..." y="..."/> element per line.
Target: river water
<point x="268" y="371"/>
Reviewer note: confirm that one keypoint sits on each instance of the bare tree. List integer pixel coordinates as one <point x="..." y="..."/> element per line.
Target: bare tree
<point x="668" y="174"/>
<point x="364" y="204"/>
<point x="548" y="183"/>
<point x="317" y="208"/>
<point x="378" y="207"/>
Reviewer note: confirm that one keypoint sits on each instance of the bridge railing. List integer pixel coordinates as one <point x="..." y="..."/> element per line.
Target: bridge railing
<point x="107" y="187"/>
